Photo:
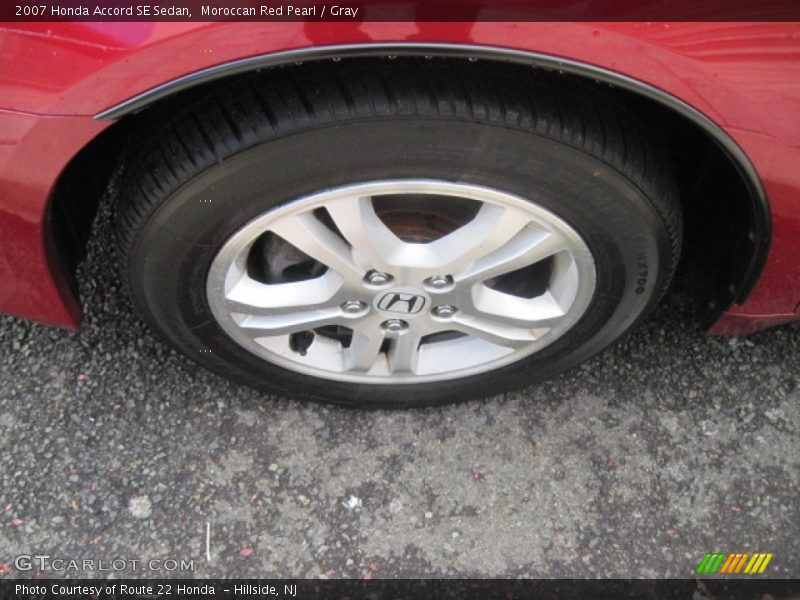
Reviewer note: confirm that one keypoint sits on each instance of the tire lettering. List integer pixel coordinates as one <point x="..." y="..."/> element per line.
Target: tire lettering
<point x="642" y="273"/>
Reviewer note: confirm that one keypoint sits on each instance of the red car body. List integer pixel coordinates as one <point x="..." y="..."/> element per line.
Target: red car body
<point x="743" y="79"/>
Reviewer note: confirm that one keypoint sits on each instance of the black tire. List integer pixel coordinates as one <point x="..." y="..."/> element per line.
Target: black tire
<point x="263" y="140"/>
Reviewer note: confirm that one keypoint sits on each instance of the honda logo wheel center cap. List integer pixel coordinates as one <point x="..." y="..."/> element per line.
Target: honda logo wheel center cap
<point x="402" y="301"/>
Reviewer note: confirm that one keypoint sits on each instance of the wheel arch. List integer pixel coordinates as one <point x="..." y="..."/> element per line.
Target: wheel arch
<point x="736" y="256"/>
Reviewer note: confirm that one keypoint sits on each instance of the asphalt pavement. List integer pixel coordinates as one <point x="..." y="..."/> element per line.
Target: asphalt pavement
<point x="668" y="446"/>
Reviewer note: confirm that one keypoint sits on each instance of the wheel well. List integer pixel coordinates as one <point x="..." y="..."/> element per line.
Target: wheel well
<point x="77" y="195"/>
<point x="726" y="229"/>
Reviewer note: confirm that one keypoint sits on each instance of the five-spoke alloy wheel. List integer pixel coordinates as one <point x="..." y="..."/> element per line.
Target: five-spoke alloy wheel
<point x="376" y="304"/>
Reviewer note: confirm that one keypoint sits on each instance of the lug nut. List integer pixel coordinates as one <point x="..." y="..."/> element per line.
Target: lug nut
<point x="353" y="307"/>
<point x="445" y="311"/>
<point x="394" y="325"/>
<point x="377" y="278"/>
<point x="439" y="282"/>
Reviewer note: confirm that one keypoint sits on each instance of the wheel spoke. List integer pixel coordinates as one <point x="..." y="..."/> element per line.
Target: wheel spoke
<point x="309" y="235"/>
<point x="494" y="331"/>
<point x="290" y="322"/>
<point x="528" y="247"/>
<point x="364" y="349"/>
<point x="403" y="354"/>
<point x="508" y="320"/>
<point x="372" y="240"/>
<point x="250" y="297"/>
<point x="541" y="312"/>
<point x="276" y="309"/>
<point x="491" y="229"/>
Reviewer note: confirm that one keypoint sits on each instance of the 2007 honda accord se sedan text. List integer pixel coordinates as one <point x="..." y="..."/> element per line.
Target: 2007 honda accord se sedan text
<point x="403" y="214"/>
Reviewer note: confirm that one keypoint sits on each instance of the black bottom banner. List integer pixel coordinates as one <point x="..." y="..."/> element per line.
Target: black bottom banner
<point x="411" y="589"/>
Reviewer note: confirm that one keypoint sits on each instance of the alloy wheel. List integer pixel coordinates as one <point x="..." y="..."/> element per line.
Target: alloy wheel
<point x="401" y="281"/>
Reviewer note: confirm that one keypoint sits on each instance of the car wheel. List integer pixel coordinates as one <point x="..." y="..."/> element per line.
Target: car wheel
<point x="401" y="236"/>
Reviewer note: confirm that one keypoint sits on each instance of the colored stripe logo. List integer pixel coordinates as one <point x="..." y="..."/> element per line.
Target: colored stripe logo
<point x="734" y="563"/>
